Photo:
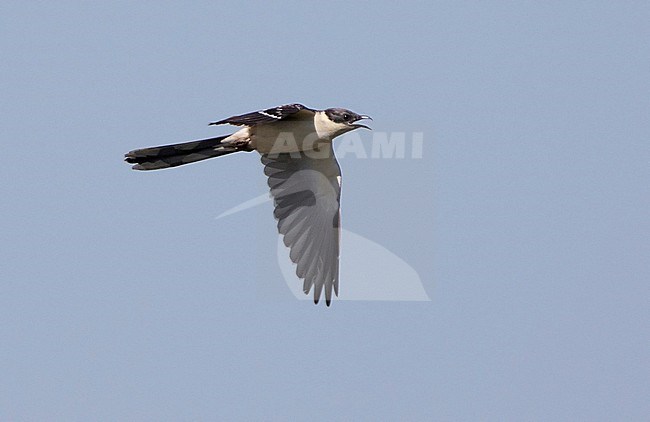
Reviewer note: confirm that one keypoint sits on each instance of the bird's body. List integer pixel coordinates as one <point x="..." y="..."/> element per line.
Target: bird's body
<point x="277" y="137"/>
<point x="304" y="177"/>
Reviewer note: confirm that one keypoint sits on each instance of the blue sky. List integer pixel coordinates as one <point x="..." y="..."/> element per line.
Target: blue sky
<point x="526" y="219"/>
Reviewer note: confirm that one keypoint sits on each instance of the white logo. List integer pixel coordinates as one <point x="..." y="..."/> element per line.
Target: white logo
<point x="372" y="273"/>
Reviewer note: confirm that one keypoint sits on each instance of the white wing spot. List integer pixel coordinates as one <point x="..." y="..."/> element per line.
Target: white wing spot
<point x="264" y="113"/>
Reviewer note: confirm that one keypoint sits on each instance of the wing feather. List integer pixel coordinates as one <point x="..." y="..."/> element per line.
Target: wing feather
<point x="306" y="194"/>
<point x="264" y="116"/>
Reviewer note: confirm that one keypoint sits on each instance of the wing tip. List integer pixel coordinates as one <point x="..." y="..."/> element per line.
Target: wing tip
<point x="328" y="297"/>
<point x="328" y="302"/>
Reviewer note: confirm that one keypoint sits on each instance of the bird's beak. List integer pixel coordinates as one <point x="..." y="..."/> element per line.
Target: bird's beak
<point x="363" y="116"/>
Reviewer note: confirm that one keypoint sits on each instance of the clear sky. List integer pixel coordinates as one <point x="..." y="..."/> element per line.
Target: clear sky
<point x="123" y="297"/>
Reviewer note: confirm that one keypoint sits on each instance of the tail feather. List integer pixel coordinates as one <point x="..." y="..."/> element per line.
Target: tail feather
<point x="165" y="156"/>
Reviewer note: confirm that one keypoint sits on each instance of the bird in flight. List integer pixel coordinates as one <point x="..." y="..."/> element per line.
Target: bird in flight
<point x="295" y="143"/>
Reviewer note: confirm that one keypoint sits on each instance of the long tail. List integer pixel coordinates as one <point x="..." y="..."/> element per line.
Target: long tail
<point x="165" y="156"/>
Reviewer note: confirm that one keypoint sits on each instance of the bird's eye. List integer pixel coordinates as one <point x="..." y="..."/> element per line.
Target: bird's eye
<point x="346" y="116"/>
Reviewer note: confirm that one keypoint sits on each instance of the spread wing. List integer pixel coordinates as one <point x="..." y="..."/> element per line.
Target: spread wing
<point x="265" y="116"/>
<point x="306" y="192"/>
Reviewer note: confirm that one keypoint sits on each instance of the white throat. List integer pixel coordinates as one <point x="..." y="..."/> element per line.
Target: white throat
<point x="328" y="129"/>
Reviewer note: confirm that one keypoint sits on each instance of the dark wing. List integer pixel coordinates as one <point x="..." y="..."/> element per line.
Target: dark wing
<point x="264" y="116"/>
<point x="306" y="192"/>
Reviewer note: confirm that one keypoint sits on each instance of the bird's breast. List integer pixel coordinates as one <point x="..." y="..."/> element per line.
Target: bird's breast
<point x="286" y="137"/>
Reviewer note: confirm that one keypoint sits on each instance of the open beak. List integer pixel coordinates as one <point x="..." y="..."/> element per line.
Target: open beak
<point x="358" y="125"/>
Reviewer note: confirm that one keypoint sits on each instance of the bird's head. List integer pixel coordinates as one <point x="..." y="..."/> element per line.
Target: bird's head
<point x="346" y="119"/>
